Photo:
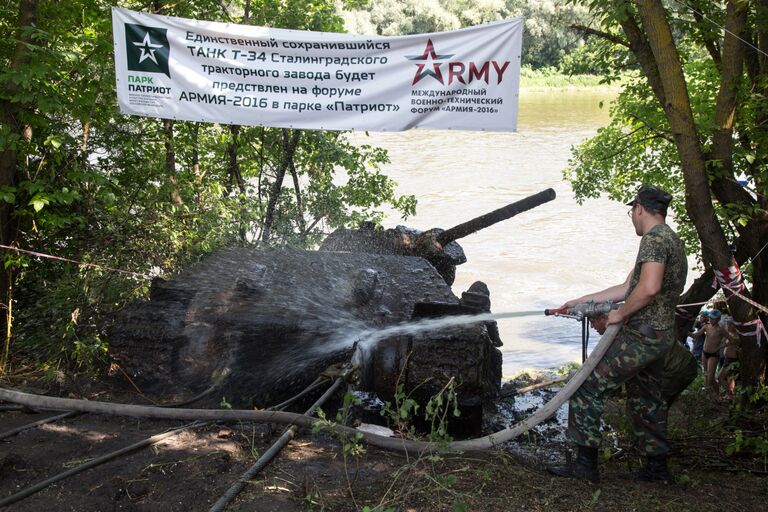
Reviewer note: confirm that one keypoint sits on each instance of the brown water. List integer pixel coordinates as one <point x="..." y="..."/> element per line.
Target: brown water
<point x="540" y="258"/>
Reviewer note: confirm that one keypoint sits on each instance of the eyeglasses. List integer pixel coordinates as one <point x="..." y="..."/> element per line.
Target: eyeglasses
<point x="629" y="213"/>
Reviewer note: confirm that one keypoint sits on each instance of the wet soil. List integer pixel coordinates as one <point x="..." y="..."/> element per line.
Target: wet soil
<point x="191" y="470"/>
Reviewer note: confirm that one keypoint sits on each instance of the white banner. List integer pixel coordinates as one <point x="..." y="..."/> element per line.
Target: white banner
<point x="177" y="68"/>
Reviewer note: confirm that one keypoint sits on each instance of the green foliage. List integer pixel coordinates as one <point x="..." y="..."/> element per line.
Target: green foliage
<point x="752" y="442"/>
<point x="401" y="411"/>
<point x="95" y="186"/>
<point x="351" y="444"/>
<point x="639" y="147"/>
<point x="549" y="77"/>
<point x="438" y="410"/>
<point x="567" y="368"/>
<point x="546" y="40"/>
<point x="755" y="444"/>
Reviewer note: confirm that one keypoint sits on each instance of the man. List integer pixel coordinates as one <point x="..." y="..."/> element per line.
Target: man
<point x="636" y="357"/>
<point x="715" y="337"/>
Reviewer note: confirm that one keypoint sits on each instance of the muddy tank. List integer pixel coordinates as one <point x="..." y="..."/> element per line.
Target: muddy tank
<point x="264" y="323"/>
<point x="261" y="324"/>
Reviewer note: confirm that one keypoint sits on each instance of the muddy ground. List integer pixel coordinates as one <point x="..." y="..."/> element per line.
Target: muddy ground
<point x="191" y="470"/>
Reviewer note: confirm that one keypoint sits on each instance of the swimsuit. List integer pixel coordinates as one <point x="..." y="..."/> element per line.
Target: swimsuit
<point x="710" y="354"/>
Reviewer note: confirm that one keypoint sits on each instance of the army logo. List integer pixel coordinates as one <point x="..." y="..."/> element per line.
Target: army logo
<point x="147" y="49"/>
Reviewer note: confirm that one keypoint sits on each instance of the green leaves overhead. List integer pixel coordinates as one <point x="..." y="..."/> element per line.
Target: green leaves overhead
<point x="143" y="194"/>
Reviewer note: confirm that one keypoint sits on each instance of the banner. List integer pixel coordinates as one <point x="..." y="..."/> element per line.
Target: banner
<point x="177" y="68"/>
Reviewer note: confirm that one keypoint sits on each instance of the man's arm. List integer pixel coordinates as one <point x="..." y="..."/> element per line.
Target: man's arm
<point x="614" y="293"/>
<point x="649" y="285"/>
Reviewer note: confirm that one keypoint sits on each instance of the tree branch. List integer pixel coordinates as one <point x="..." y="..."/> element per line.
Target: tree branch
<point x="291" y="142"/>
<point x="640" y="48"/>
<point x="599" y="33"/>
<point x="710" y="44"/>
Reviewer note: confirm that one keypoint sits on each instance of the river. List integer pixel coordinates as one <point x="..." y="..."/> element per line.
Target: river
<point x="540" y="258"/>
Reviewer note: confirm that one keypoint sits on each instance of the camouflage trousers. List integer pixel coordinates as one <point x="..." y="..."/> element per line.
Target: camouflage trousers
<point x="638" y="362"/>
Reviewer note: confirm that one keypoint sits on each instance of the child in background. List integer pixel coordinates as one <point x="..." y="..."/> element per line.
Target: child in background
<point x="714" y="339"/>
<point x="730" y="369"/>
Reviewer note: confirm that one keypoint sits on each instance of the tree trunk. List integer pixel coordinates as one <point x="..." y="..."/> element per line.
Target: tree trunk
<point x="715" y="250"/>
<point x="301" y="224"/>
<point x="170" y="162"/>
<point x="9" y="116"/>
<point x="290" y="143"/>
<point x="638" y="45"/>
<point x="235" y="175"/>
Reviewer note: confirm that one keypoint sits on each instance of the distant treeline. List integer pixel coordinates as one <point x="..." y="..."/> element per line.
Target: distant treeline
<point x="548" y="41"/>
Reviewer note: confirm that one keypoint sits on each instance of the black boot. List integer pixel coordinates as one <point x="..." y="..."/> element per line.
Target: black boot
<point x="655" y="470"/>
<point x="583" y="468"/>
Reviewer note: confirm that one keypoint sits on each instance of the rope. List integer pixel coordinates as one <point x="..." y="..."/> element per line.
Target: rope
<point x="67" y="260"/>
<point x="747" y="299"/>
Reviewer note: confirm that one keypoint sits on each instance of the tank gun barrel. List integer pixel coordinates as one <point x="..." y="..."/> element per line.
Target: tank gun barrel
<point x="491" y="218"/>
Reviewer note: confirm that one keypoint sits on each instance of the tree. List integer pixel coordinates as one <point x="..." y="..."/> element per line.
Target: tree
<point x="82" y="181"/>
<point x="695" y="122"/>
<point x="546" y="41"/>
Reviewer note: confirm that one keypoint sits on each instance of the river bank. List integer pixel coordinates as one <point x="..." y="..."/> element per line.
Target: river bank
<point x="552" y="80"/>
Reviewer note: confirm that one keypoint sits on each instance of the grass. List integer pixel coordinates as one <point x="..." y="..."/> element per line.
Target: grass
<point x="550" y="78"/>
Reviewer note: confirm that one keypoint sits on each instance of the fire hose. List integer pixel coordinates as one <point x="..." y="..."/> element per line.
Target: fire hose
<point x="482" y="443"/>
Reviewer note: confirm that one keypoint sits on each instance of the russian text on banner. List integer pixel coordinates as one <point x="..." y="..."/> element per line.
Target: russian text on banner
<point x="177" y="68"/>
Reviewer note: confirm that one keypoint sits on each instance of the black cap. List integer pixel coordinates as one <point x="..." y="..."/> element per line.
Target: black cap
<point x="652" y="197"/>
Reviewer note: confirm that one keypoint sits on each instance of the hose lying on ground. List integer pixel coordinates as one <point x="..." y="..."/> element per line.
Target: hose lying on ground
<point x="92" y="463"/>
<point x="156" y="439"/>
<point x="389" y="443"/>
<point x="270" y="454"/>
<point x="37" y="423"/>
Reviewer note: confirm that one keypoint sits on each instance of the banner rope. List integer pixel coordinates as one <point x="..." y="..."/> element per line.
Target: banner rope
<point x="67" y="260"/>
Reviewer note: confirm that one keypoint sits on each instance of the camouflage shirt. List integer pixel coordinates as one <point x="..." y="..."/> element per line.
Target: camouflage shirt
<point x="661" y="245"/>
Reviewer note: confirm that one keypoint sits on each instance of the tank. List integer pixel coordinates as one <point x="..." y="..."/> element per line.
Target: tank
<point x="261" y="324"/>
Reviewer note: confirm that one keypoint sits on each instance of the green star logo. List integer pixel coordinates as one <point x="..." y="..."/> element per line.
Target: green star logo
<point x="147" y="49"/>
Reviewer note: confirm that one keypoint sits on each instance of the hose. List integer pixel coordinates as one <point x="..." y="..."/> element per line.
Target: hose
<point x="285" y="417"/>
<point x="95" y="462"/>
<point x="140" y="444"/>
<point x="44" y="421"/>
<point x="13" y="408"/>
<point x="265" y="459"/>
<point x="38" y="423"/>
<point x="316" y="384"/>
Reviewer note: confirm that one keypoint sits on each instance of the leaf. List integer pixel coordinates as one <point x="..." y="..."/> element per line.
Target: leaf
<point x="38" y="202"/>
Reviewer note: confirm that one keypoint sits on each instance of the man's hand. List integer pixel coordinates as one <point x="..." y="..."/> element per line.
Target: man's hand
<point x="600" y="324"/>
<point x="571" y="303"/>
<point x="615" y="317"/>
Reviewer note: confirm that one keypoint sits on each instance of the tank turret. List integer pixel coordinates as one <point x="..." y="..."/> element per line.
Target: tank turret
<point x="437" y="246"/>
